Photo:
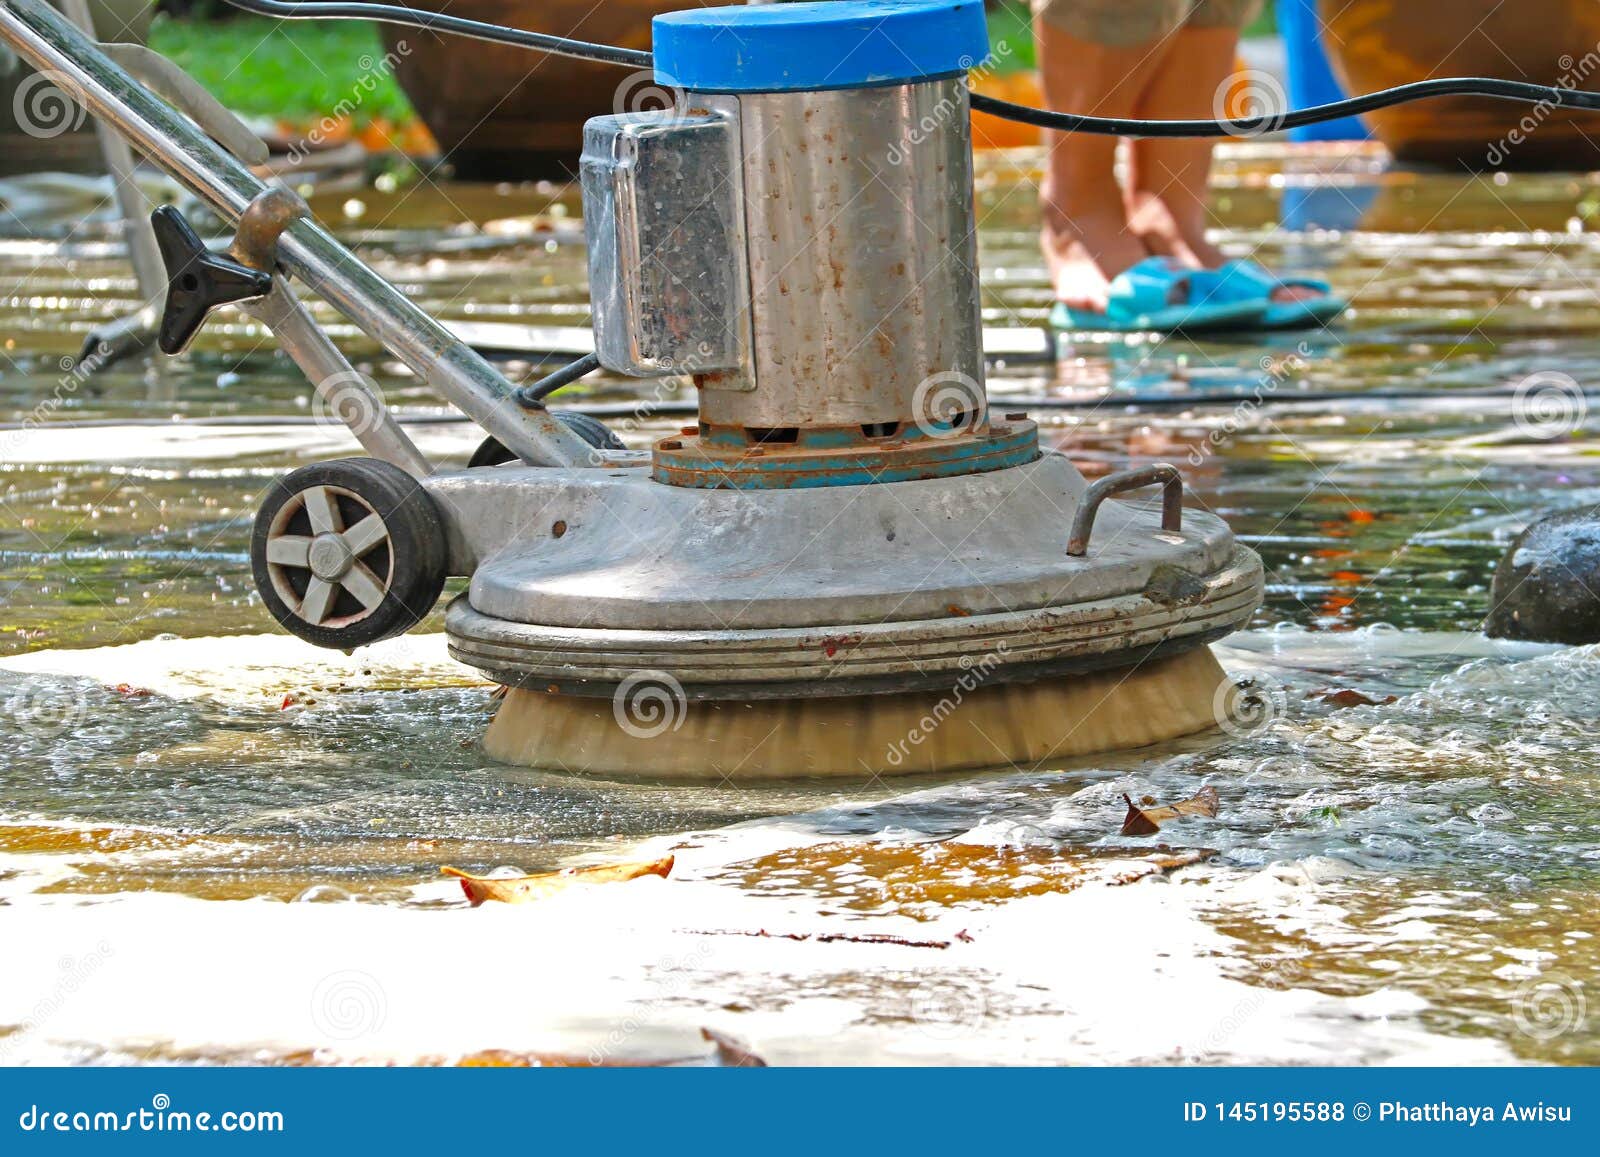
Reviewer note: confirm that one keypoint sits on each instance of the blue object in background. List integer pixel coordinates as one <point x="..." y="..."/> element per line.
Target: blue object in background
<point x="1311" y="81"/>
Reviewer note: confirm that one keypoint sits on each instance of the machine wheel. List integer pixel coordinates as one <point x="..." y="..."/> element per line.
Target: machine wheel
<point x="592" y="430"/>
<point x="348" y="552"/>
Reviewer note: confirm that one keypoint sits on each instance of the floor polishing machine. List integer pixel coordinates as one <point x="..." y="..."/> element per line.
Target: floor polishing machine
<point x="849" y="564"/>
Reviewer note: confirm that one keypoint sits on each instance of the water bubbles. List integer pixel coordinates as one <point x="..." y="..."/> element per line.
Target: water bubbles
<point x="1492" y="813"/>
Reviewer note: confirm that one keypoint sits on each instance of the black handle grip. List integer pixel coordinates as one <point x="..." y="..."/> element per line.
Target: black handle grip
<point x="198" y="280"/>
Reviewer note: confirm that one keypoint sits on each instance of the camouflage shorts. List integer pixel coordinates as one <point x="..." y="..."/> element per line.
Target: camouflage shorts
<point x="1124" y="23"/>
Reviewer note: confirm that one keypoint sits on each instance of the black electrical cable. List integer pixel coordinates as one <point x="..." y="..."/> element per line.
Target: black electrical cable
<point x="1040" y="118"/>
<point x="1281" y="121"/>
<point x="533" y="394"/>
<point x="439" y="22"/>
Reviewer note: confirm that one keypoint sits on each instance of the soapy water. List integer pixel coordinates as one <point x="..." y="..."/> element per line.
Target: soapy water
<point x="1408" y="833"/>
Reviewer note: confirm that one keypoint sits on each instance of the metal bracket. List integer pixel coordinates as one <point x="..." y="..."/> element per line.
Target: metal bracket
<point x="1097" y="492"/>
<point x="255" y="241"/>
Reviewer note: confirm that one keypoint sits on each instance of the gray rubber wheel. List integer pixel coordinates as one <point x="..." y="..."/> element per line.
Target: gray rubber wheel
<point x="348" y="552"/>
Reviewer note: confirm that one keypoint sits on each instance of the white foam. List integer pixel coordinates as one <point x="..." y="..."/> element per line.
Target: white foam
<point x="1101" y="975"/>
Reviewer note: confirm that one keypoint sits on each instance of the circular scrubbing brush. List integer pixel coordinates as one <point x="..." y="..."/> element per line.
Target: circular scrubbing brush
<point x="650" y="730"/>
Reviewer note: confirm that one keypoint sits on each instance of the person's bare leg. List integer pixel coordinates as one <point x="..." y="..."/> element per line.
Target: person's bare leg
<point x="1167" y="179"/>
<point x="1086" y="238"/>
<point x="1167" y="199"/>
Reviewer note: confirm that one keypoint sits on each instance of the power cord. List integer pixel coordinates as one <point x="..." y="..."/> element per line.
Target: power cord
<point x="1042" y="118"/>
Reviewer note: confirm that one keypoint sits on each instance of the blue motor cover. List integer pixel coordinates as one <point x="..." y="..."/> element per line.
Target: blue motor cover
<point x="807" y="47"/>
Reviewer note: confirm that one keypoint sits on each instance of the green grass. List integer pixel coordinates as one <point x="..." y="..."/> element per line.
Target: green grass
<point x="1011" y="24"/>
<point x="300" y="70"/>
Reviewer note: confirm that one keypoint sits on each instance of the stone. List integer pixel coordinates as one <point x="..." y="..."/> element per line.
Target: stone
<point x="1547" y="587"/>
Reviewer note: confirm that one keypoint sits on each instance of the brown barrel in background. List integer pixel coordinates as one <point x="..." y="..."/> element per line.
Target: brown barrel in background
<point x="63" y="139"/>
<point x="503" y="113"/>
<point x="1373" y="44"/>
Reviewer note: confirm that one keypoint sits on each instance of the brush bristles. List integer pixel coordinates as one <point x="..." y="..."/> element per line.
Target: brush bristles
<point x="997" y="726"/>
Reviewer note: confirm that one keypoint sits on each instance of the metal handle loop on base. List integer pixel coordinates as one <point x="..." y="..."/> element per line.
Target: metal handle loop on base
<point x="1097" y="492"/>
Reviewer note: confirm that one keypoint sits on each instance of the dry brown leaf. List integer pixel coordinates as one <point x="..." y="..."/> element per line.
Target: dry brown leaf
<point x="523" y="889"/>
<point x="731" y="1051"/>
<point x="1349" y="697"/>
<point x="1158" y="865"/>
<point x="1146" y="821"/>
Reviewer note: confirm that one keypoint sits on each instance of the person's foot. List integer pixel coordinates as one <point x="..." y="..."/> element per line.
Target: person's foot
<point x="1168" y="234"/>
<point x="1084" y="252"/>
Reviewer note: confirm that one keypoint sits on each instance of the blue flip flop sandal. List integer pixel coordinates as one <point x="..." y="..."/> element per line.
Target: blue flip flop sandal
<point x="1139" y="300"/>
<point x="1247" y="281"/>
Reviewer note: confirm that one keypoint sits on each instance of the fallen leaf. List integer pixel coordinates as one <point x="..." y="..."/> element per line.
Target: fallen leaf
<point x="1349" y="697"/>
<point x="731" y="1052"/>
<point x="523" y="889"/>
<point x="129" y="691"/>
<point x="1146" y="821"/>
<point x="1163" y="862"/>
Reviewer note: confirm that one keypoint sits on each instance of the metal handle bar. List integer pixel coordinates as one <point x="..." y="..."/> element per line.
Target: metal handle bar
<point x="1171" y="500"/>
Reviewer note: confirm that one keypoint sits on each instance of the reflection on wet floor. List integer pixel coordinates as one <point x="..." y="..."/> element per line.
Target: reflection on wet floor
<point x="1414" y="820"/>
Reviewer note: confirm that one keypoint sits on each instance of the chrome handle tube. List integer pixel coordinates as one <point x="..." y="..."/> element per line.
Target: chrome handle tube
<point x="76" y="65"/>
